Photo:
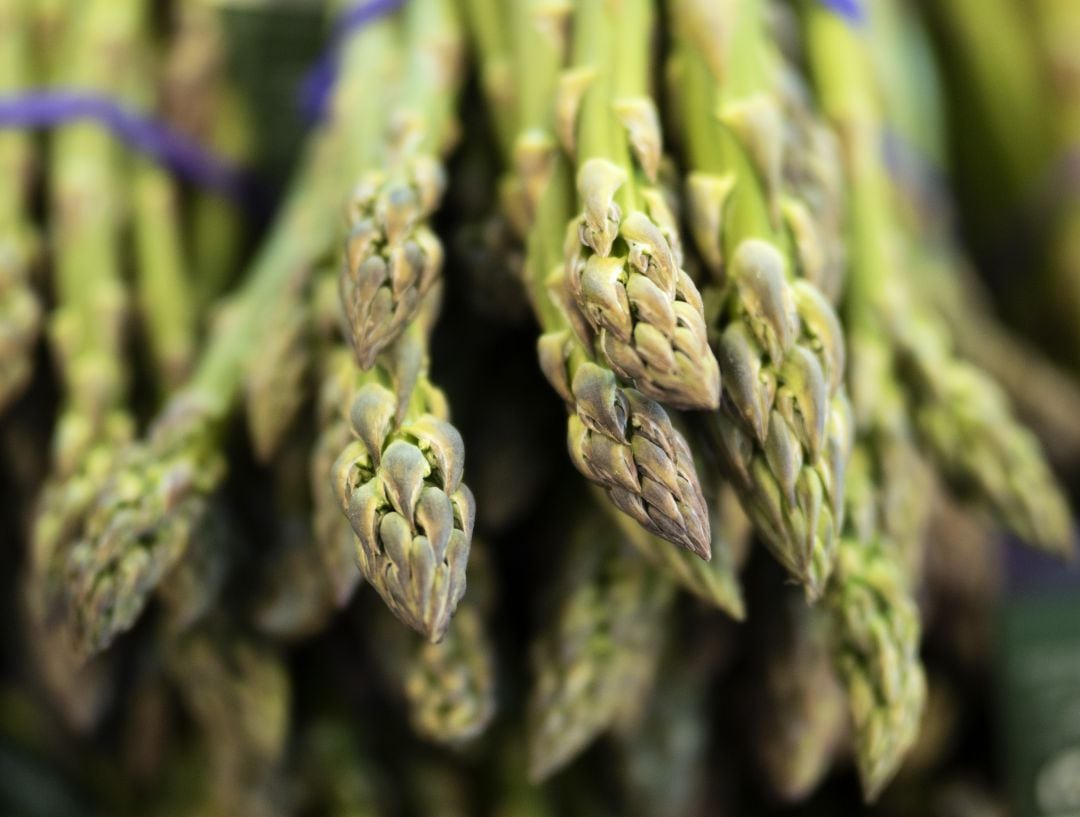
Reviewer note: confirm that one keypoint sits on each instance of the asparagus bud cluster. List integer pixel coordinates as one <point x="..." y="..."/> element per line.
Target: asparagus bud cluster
<point x="399" y="482"/>
<point x="391" y="257"/>
<point x="193" y="601"/>
<point x="624" y="441"/>
<point x="601" y="653"/>
<point x="623" y="260"/>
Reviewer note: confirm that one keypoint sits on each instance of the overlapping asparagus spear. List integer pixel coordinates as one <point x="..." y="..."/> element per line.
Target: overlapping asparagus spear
<point x="799" y="715"/>
<point x="961" y="418"/>
<point x="599" y="656"/>
<point x="449" y="687"/>
<point x="392" y="258"/>
<point x="20" y="310"/>
<point x="399" y="479"/>
<point x="87" y="325"/>
<point x="623" y="258"/>
<point x="150" y="501"/>
<point x="784" y="428"/>
<point x="618" y="437"/>
<point x="875" y="628"/>
<point x="874" y="620"/>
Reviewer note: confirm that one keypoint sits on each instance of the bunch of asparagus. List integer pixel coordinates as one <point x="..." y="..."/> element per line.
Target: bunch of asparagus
<point x="746" y="291"/>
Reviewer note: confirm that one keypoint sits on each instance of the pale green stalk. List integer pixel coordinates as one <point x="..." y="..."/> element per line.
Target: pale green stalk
<point x="200" y="101"/>
<point x="88" y="322"/>
<point x="961" y="417"/>
<point x="784" y="429"/>
<point x="164" y="295"/>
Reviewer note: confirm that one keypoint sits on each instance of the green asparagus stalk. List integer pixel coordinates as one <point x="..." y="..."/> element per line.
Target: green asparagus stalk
<point x="164" y="296"/>
<point x="596" y="661"/>
<point x="618" y="438"/>
<point x="200" y="102"/>
<point x="275" y="381"/>
<point x="799" y="719"/>
<point x="623" y="256"/>
<point x="237" y="692"/>
<point x="148" y="504"/>
<point x="764" y="213"/>
<point x="875" y="629"/>
<point x="961" y="416"/>
<point x="275" y="386"/>
<point x="392" y="258"/>
<point x="87" y="327"/>
<point x="88" y="322"/>
<point x="20" y="310"/>
<point x="399" y="482"/>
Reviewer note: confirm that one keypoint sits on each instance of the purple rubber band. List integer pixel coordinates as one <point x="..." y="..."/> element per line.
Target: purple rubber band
<point x="170" y="148"/>
<point x="182" y="155"/>
<point x="850" y="10"/>
<point x="320" y="80"/>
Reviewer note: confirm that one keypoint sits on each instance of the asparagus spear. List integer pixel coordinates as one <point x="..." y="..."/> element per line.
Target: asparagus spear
<point x="875" y="627"/>
<point x="784" y="428"/>
<point x="623" y="257"/>
<point x="961" y="417"/>
<point x="798" y="721"/>
<point x="392" y="258"/>
<point x="20" y="311"/>
<point x="237" y="691"/>
<point x="160" y="484"/>
<point x="399" y="480"/>
<point x="449" y="687"/>
<point x="200" y="101"/>
<point x="599" y="655"/>
<point x="618" y="438"/>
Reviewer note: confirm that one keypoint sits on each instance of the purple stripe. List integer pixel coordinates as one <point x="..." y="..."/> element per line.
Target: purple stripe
<point x="173" y="150"/>
<point x="320" y="80"/>
<point x="850" y="10"/>
<point x="183" y="156"/>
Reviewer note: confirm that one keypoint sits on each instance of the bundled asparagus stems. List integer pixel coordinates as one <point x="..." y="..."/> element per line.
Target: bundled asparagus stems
<point x="785" y="428"/>
<point x="249" y="582"/>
